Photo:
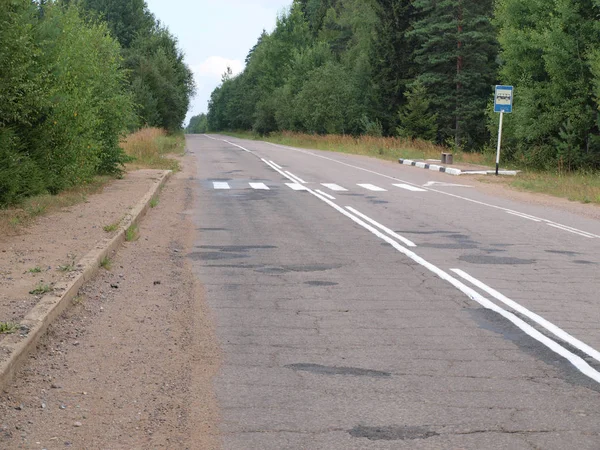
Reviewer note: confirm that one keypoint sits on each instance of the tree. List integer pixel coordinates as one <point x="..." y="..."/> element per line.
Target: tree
<point x="456" y="62"/>
<point x="416" y="119"/>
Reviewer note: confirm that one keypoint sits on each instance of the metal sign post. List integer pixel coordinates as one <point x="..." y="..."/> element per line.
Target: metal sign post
<point x="503" y="101"/>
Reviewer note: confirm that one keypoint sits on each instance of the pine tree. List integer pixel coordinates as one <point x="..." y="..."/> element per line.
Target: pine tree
<point x="416" y="119"/>
<point x="390" y="57"/>
<point x="456" y="60"/>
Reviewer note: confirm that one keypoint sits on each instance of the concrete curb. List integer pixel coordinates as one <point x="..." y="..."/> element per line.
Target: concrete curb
<point x="14" y="348"/>
<point x="453" y="171"/>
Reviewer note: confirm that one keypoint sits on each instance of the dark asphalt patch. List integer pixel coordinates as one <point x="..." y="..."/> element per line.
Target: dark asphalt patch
<point x="492" y="321"/>
<point x="321" y="283"/>
<point x="299" y="268"/>
<point x="457" y="246"/>
<point x="332" y="370"/>
<point x="215" y="256"/>
<point x="581" y="261"/>
<point x="212" y="229"/>
<point x="496" y="260"/>
<point x="425" y="232"/>
<point x="563" y="252"/>
<point x="392" y="433"/>
<point x="237" y="248"/>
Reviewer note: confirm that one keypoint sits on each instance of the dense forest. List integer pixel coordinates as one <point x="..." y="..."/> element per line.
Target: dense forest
<point x="74" y="78"/>
<point x="426" y="69"/>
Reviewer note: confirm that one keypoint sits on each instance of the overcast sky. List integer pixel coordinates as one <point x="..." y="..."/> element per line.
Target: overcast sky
<point x="214" y="34"/>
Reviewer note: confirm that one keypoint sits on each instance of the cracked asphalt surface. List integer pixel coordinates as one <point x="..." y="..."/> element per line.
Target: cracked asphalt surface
<point x="332" y="339"/>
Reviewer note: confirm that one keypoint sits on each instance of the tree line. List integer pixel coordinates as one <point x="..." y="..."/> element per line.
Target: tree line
<point x="426" y="69"/>
<point x="74" y="78"/>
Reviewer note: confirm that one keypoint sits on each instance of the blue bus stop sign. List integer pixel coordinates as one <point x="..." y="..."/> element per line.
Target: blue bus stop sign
<point x="503" y="99"/>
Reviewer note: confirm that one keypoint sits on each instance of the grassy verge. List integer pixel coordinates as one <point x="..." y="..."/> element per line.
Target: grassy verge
<point x="390" y="149"/>
<point x="152" y="148"/>
<point x="12" y="219"/>
<point x="580" y="186"/>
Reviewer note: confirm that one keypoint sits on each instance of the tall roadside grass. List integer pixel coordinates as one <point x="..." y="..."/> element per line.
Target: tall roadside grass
<point x="152" y="148"/>
<point x="388" y="148"/>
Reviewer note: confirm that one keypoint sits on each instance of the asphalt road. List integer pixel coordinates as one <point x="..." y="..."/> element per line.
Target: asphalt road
<point x="362" y="304"/>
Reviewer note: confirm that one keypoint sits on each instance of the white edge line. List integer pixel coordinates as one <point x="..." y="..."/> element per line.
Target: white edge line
<point x="381" y="227"/>
<point x="238" y="146"/>
<point x="325" y="194"/>
<point x="558" y="332"/>
<point x="408" y="162"/>
<point x="523" y="216"/>
<point x="560" y="227"/>
<point x="575" y="360"/>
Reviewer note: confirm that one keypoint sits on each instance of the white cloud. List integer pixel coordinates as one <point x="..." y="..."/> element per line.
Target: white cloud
<point x="216" y="66"/>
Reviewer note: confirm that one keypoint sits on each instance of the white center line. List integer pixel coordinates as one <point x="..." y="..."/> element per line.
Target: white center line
<point x="259" y="186"/>
<point x="221" y="185"/>
<point x="296" y="186"/>
<point x="558" y="332"/>
<point x="325" y="194"/>
<point x="296" y="177"/>
<point x="334" y="187"/>
<point x="524" y="216"/>
<point x="372" y="187"/>
<point x="276" y="165"/>
<point x="433" y="190"/>
<point x="408" y="187"/>
<point x="381" y="227"/>
<point x="571" y="230"/>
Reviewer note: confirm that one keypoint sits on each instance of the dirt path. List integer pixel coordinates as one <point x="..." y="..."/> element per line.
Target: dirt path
<point x="129" y="366"/>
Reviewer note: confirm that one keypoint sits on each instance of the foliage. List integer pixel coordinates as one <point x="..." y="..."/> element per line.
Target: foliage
<point x="198" y="124"/>
<point x="416" y="120"/>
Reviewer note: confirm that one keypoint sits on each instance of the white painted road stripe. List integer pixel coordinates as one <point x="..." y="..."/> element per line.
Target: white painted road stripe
<point x="325" y="194"/>
<point x="575" y="360"/>
<point x="558" y="332"/>
<point x="238" y="146"/>
<point x="296" y="177"/>
<point x="259" y="186"/>
<point x="205" y="135"/>
<point x="433" y="190"/>
<point x="382" y="227"/>
<point x="580" y="233"/>
<point x="408" y="187"/>
<point x="372" y="187"/>
<point x="334" y="187"/>
<point x="296" y="186"/>
<point x="276" y="165"/>
<point x="221" y="185"/>
<point x="571" y="230"/>
<point x="524" y="216"/>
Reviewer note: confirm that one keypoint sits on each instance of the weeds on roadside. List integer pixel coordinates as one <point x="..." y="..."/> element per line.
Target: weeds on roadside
<point x="112" y="227"/>
<point x="154" y="202"/>
<point x="70" y="267"/>
<point x="8" y="327"/>
<point x="36" y="269"/>
<point x="132" y="233"/>
<point x="106" y="263"/>
<point x="150" y="148"/>
<point x="41" y="289"/>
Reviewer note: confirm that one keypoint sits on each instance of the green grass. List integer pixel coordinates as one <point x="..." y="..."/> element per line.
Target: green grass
<point x="41" y="289"/>
<point x="132" y="233"/>
<point x="154" y="202"/>
<point x="36" y="269"/>
<point x="70" y="267"/>
<point x="8" y="327"/>
<point x="106" y="263"/>
<point x="112" y="227"/>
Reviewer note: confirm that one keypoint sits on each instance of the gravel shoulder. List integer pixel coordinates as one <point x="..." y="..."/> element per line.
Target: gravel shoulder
<point x="130" y="364"/>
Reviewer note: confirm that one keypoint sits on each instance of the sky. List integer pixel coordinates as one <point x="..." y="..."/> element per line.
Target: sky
<point x="214" y="34"/>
